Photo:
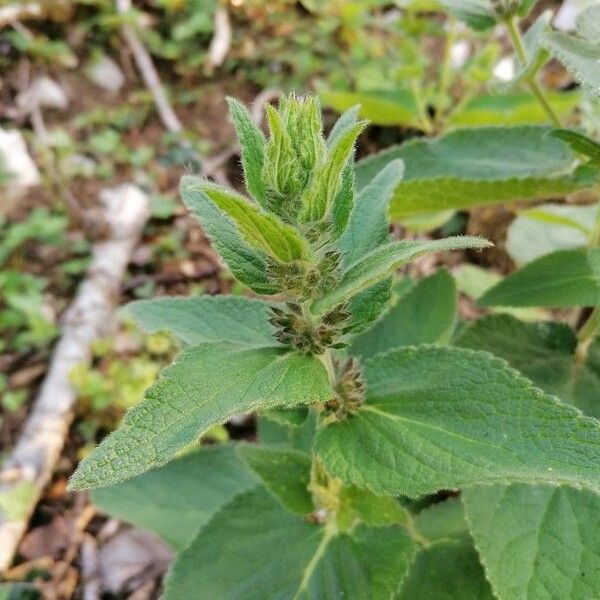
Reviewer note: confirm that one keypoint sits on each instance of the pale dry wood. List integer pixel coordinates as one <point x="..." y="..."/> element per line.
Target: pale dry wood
<point x="221" y="40"/>
<point x="20" y="11"/>
<point x="29" y="466"/>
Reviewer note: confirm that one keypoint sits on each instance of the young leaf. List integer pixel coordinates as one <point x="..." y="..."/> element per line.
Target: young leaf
<point x="381" y="262"/>
<point x="246" y="263"/>
<point x="473" y="167"/>
<point x="347" y="120"/>
<point x="265" y="551"/>
<point x="580" y="143"/>
<point x="587" y="23"/>
<point x="252" y="145"/>
<point x="179" y="498"/>
<point x="367" y="306"/>
<point x="285" y="473"/>
<point x="318" y="198"/>
<point x="263" y="231"/>
<point x="563" y="278"/>
<point x="537" y="541"/>
<point x="368" y="226"/>
<point x="545" y="353"/>
<point x="444" y="418"/>
<point x="206" y="385"/>
<point x="205" y="319"/>
<point x="448" y="570"/>
<point x="479" y="14"/>
<point x="424" y="315"/>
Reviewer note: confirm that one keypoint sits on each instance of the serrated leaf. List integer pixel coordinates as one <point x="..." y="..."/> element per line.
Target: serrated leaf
<point x="474" y="167"/>
<point x="205" y="319"/>
<point x="265" y="551"/>
<point x="285" y="473"/>
<point x="247" y="264"/>
<point x="263" y="231"/>
<point x="580" y="56"/>
<point x="442" y="521"/>
<point x="205" y="386"/>
<point x="449" y="570"/>
<point x="368" y="226"/>
<point x="252" y="145"/>
<point x="549" y="227"/>
<point x="179" y="498"/>
<point x="537" y="542"/>
<point x="367" y="306"/>
<point x="477" y="14"/>
<point x="381" y="107"/>
<point x="445" y="418"/>
<point x="290" y="417"/>
<point x="518" y="108"/>
<point x="545" y="353"/>
<point x="580" y="143"/>
<point x="562" y="278"/>
<point x="424" y="315"/>
<point x="381" y="262"/>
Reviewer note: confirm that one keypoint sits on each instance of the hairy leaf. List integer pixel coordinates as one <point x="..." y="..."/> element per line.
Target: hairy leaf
<point x="562" y="278"/>
<point x="265" y="551"/>
<point x="179" y="498"/>
<point x="206" y="385"/>
<point x="381" y="262"/>
<point x="580" y="143"/>
<point x="444" y="418"/>
<point x="473" y="167"/>
<point x="537" y="541"/>
<point x="424" y="315"/>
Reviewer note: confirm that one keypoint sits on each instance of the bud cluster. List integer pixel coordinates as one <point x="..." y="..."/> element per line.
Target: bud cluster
<point x="294" y="328"/>
<point x="505" y="8"/>
<point x="349" y="391"/>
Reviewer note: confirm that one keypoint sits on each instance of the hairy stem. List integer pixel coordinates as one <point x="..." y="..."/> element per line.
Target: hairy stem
<point x="532" y="84"/>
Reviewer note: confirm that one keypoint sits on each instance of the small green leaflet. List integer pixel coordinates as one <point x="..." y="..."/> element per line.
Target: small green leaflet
<point x="444" y="418"/>
<point x="264" y="551"/>
<point x="206" y="385"/>
<point x="441" y="521"/>
<point x="205" y="319"/>
<point x="252" y="145"/>
<point x="368" y="226"/>
<point x="247" y="264"/>
<point x="537" y="542"/>
<point x="545" y="353"/>
<point x="473" y="167"/>
<point x="424" y="315"/>
<point x="478" y="14"/>
<point x="560" y="279"/>
<point x="381" y="107"/>
<point x="177" y="499"/>
<point x="580" y="56"/>
<point x="262" y="230"/>
<point x="580" y="143"/>
<point x="448" y="570"/>
<point x="381" y="262"/>
<point x="549" y="227"/>
<point x="285" y="473"/>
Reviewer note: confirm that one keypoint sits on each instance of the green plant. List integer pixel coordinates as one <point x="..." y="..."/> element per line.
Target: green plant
<point x="364" y="433"/>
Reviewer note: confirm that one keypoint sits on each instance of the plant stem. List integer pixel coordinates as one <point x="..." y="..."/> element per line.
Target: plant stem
<point x="444" y="80"/>
<point x="421" y="108"/>
<point x="532" y="84"/>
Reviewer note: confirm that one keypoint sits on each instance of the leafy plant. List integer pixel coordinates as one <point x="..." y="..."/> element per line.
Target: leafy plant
<point x="345" y="495"/>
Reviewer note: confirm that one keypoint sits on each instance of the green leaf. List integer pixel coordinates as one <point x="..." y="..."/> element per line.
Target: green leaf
<point x="263" y="231"/>
<point x="563" y="278"/>
<point x="549" y="227"/>
<point x="381" y="107"/>
<point x="291" y="417"/>
<point x="425" y="315"/>
<point x="265" y="551"/>
<point x="319" y="196"/>
<point x="285" y="473"/>
<point x="518" y="108"/>
<point x="205" y="386"/>
<point x="587" y="23"/>
<point x="579" y="56"/>
<point x="449" y="570"/>
<point x="247" y="264"/>
<point x="205" y="319"/>
<point x="545" y="353"/>
<point x="537" y="541"/>
<point x="179" y="498"/>
<point x="381" y="262"/>
<point x="252" y="144"/>
<point x="347" y="120"/>
<point x="445" y="418"/>
<point x="368" y="226"/>
<point x="579" y="143"/>
<point x="474" y="167"/>
<point x="478" y="14"/>
<point x="367" y="306"/>
<point x="442" y="521"/>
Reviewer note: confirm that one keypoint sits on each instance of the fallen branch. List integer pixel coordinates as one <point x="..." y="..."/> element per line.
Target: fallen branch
<point x="20" y="12"/>
<point x="28" y="468"/>
<point x="221" y="40"/>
